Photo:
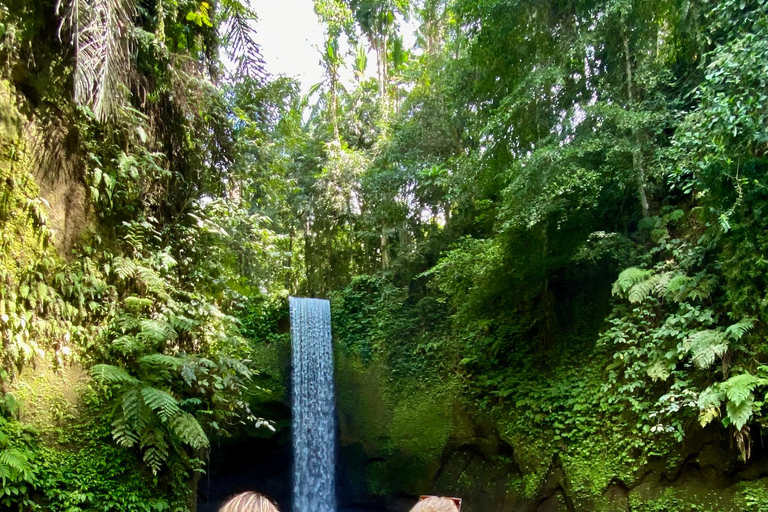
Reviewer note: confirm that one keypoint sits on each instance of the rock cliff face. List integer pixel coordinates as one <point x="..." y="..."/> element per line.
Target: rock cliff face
<point x="401" y="438"/>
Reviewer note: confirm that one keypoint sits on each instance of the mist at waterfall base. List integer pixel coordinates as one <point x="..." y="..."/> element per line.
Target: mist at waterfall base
<point x="313" y="406"/>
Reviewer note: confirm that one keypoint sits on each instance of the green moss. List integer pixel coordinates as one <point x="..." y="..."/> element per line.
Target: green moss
<point x="421" y="424"/>
<point x="693" y="498"/>
<point x="272" y="361"/>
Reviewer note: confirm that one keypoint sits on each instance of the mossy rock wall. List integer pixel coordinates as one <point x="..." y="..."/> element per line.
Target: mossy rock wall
<point x="400" y="438"/>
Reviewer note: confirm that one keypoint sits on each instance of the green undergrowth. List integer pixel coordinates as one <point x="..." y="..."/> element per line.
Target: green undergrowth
<point x="76" y="467"/>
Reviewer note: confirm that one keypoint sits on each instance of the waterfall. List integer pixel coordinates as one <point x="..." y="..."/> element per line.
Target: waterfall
<point x="314" y="425"/>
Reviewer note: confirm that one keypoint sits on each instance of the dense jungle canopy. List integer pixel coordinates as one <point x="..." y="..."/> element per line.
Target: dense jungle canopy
<point x="548" y="215"/>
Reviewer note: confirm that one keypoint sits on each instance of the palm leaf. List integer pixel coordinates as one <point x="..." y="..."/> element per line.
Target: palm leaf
<point x="99" y="31"/>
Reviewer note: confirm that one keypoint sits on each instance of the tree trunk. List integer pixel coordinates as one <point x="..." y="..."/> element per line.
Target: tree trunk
<point x="335" y="107"/>
<point x="637" y="156"/>
<point x="384" y="249"/>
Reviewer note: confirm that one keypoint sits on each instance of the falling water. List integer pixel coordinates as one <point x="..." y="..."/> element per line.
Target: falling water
<point x="314" y="448"/>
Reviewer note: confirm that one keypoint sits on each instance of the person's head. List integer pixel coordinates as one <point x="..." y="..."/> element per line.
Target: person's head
<point x="435" y="504"/>
<point x="249" y="502"/>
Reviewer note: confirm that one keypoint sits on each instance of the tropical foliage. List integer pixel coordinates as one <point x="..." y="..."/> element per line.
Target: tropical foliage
<point x="555" y="207"/>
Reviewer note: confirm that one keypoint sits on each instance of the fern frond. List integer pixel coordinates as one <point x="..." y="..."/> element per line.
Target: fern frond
<point x="676" y="287"/>
<point x="706" y="347"/>
<point x="151" y="281"/>
<point x="239" y="37"/>
<point x="136" y="414"/>
<point x="740" y="328"/>
<point x="155" y="449"/>
<point x="107" y="373"/>
<point x="165" y="405"/>
<point x="126" y="322"/>
<point x="640" y="291"/>
<point x="5" y="473"/>
<point x="739" y="413"/>
<point x="137" y="303"/>
<point x="189" y="431"/>
<point x="125" y="268"/>
<point x="181" y="323"/>
<point x="15" y="460"/>
<point x="156" y="331"/>
<point x="709" y="404"/>
<point x="740" y="388"/>
<point x="661" y="281"/>
<point x="128" y="344"/>
<point x="123" y="434"/>
<point x="160" y="361"/>
<point x="628" y="278"/>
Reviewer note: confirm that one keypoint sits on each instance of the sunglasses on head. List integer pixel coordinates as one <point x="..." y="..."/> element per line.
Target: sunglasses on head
<point x="456" y="501"/>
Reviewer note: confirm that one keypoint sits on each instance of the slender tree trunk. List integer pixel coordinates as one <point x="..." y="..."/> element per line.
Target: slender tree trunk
<point x="637" y="156"/>
<point x="385" y="73"/>
<point x="384" y="249"/>
<point x="547" y="298"/>
<point x="335" y="106"/>
<point x="379" y="67"/>
<point x="289" y="261"/>
<point x="308" y="255"/>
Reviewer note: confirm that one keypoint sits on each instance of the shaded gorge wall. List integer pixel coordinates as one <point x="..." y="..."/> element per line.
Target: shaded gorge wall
<point x="408" y="424"/>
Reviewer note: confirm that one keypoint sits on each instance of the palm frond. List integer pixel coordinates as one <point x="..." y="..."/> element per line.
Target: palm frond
<point x="100" y="33"/>
<point x="239" y="38"/>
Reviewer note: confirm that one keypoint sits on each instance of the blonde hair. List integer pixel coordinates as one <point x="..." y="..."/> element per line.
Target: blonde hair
<point x="435" y="504"/>
<point x="249" y="502"/>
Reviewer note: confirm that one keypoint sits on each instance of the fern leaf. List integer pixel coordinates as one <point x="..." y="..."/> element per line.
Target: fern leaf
<point x="739" y="388"/>
<point x="125" y="268"/>
<point x="706" y="347"/>
<point x="640" y="291"/>
<point x="135" y="412"/>
<point x="709" y="404"/>
<point x="107" y="373"/>
<point x="661" y="281"/>
<point x="628" y="278"/>
<point x="189" y="431"/>
<point x="156" y="331"/>
<point x="5" y="473"/>
<point x="137" y="303"/>
<point x="160" y="361"/>
<point x="161" y="402"/>
<point x="739" y="413"/>
<point x="15" y="461"/>
<point x="155" y="449"/>
<point x="676" y="287"/>
<point x="128" y="344"/>
<point x="152" y="281"/>
<point x="740" y="328"/>
<point x="123" y="434"/>
<point x="658" y="370"/>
